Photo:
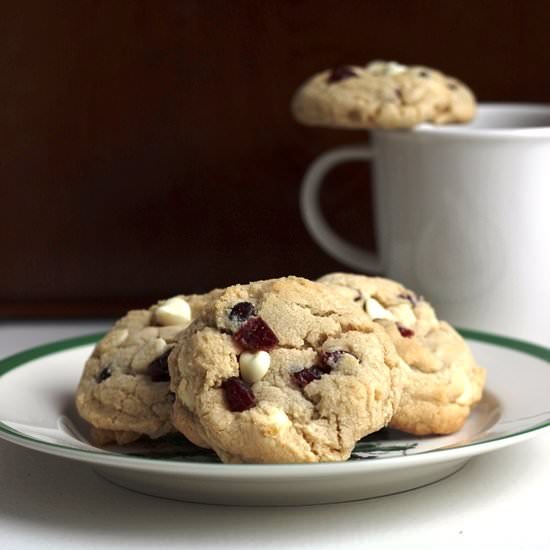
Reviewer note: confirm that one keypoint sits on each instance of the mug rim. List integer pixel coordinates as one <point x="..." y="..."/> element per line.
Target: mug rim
<point x="467" y="132"/>
<point x="461" y="131"/>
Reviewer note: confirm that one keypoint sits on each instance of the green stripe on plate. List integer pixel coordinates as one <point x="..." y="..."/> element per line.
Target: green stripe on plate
<point x="22" y="357"/>
<point x="13" y="361"/>
<point x="505" y="342"/>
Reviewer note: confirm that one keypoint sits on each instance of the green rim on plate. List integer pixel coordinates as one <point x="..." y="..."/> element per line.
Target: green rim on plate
<point x="12" y="362"/>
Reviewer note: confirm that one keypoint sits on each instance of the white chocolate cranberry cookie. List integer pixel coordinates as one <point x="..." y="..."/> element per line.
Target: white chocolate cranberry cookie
<point x="382" y="95"/>
<point x="444" y="381"/>
<point x="124" y="390"/>
<point x="283" y="371"/>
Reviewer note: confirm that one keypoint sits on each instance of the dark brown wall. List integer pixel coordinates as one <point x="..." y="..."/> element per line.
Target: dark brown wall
<point x="147" y="148"/>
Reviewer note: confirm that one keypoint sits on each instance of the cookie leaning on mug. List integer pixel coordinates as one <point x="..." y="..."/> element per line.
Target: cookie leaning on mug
<point x="382" y="95"/>
<point x="444" y="381"/>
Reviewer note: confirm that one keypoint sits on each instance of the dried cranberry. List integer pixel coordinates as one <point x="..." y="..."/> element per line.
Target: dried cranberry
<point x="158" y="368"/>
<point x="329" y="359"/>
<point x="242" y="311"/>
<point x="238" y="394"/>
<point x="104" y="374"/>
<point x="405" y="332"/>
<point x="340" y="73"/>
<point x="305" y="376"/>
<point x="255" y="334"/>
<point x="324" y="368"/>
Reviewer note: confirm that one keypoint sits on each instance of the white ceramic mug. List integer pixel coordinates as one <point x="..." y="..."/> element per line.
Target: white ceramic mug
<point x="462" y="216"/>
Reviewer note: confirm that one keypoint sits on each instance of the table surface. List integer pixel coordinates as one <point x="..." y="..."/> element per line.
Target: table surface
<point x="51" y="502"/>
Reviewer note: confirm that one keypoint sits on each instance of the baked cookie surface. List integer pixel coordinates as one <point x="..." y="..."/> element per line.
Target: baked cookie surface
<point x="283" y="371"/>
<point x="444" y="381"/>
<point x="124" y="390"/>
<point x="382" y="95"/>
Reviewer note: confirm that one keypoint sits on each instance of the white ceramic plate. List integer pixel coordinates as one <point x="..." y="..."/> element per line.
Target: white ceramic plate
<point x="37" y="411"/>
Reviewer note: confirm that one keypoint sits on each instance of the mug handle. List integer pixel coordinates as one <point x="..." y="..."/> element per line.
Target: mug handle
<point x="314" y="219"/>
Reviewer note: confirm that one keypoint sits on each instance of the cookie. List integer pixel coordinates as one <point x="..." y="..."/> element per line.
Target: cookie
<point x="283" y="371"/>
<point x="444" y="381"/>
<point x="124" y="390"/>
<point x="382" y="95"/>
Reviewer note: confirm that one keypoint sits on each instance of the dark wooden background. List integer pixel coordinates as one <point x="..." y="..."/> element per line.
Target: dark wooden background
<point x="146" y="147"/>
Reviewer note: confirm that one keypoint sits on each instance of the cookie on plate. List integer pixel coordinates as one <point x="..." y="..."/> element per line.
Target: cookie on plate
<point x="382" y="95"/>
<point x="124" y="390"/>
<point x="444" y="381"/>
<point x="283" y="371"/>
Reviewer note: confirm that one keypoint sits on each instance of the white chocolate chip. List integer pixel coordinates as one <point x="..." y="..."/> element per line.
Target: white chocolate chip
<point x="186" y="395"/>
<point x="254" y="365"/>
<point x="395" y="68"/>
<point x="112" y="339"/>
<point x="279" y="418"/>
<point x="404" y="315"/>
<point x="377" y="311"/>
<point x="175" y="311"/>
<point x="385" y="68"/>
<point x="147" y="354"/>
<point x="275" y="421"/>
